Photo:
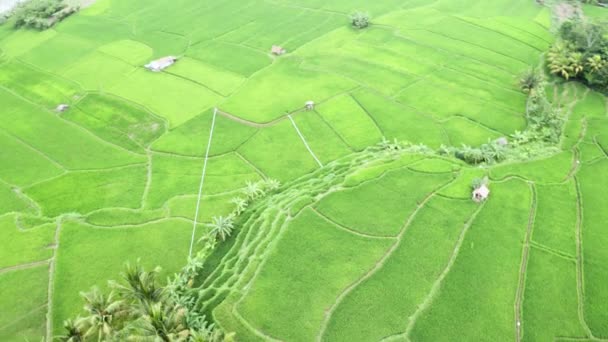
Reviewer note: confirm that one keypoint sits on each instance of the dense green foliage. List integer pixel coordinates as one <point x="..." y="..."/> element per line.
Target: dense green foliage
<point x="41" y="14"/>
<point x="138" y="307"/>
<point x="359" y="20"/>
<point x="581" y="52"/>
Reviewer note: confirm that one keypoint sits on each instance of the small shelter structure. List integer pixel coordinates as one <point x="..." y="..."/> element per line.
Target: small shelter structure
<point x="161" y="63"/>
<point x="62" y="108"/>
<point x="277" y="50"/>
<point x="481" y="193"/>
<point x="310" y="105"/>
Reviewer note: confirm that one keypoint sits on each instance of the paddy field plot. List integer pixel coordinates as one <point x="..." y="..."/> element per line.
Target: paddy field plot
<point x="357" y="244"/>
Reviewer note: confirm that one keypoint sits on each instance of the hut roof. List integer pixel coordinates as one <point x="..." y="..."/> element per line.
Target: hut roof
<point x="277" y="50"/>
<point x="481" y="193"/>
<point x="161" y="63"/>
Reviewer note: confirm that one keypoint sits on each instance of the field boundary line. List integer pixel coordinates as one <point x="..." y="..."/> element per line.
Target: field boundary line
<point x="25" y="266"/>
<point x="348" y="229"/>
<point x="33" y="149"/>
<point x="378" y="265"/>
<point x="200" y="188"/>
<point x="549" y="250"/>
<point x="51" y="285"/>
<point x="20" y="318"/>
<point x="580" y="277"/>
<point x="497" y="32"/>
<point x="144" y="196"/>
<point x="249" y="284"/>
<point x="248" y="162"/>
<point x="304" y="140"/>
<point x="519" y="295"/>
<point x="427" y="301"/>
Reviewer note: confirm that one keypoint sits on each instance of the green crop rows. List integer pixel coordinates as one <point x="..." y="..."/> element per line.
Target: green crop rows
<point x="359" y="243"/>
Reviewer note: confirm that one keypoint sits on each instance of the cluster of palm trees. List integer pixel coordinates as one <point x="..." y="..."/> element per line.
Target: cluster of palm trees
<point x="139" y="308"/>
<point x="581" y="52"/>
<point x="221" y="227"/>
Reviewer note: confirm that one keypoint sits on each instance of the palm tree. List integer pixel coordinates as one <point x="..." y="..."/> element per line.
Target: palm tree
<point x="140" y="286"/>
<point x="272" y="184"/>
<point x="240" y="205"/>
<point x="530" y="80"/>
<point x="253" y="190"/>
<point x="595" y="63"/>
<point x="560" y="60"/>
<point x="160" y="322"/>
<point x="104" y="315"/>
<point x="222" y="226"/>
<point x="73" y="331"/>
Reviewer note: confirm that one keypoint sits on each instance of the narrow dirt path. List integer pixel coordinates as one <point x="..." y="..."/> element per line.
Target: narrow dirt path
<point x="24" y="266"/>
<point x="519" y="295"/>
<point x="51" y="286"/>
<point x="580" y="278"/>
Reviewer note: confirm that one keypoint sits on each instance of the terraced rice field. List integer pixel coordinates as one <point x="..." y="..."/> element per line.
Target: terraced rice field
<point x="359" y="244"/>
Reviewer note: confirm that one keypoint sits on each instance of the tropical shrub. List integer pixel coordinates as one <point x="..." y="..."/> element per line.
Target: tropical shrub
<point x="139" y="308"/>
<point x="360" y="20"/>
<point x="530" y="80"/>
<point x="581" y="52"/>
<point x="41" y="14"/>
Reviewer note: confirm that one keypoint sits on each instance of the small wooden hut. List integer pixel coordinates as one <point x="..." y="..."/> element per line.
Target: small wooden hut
<point x="277" y="50"/>
<point x="481" y="193"/>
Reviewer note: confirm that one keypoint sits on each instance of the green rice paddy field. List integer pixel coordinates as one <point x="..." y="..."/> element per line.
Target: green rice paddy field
<point x="357" y="246"/>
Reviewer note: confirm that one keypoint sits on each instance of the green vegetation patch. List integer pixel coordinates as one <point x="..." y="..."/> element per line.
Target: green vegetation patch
<point x="463" y="131"/>
<point x="108" y="71"/>
<point x="130" y="51"/>
<point x="594" y="240"/>
<point x="85" y="191"/>
<point x="39" y="87"/>
<point x="117" y="121"/>
<point x="191" y="137"/>
<point x="84" y="259"/>
<point x="46" y="133"/>
<point x="401" y="122"/>
<point x="556" y="217"/>
<point x="24" y="295"/>
<point x="25" y="245"/>
<point x="23" y="165"/>
<point x="337" y="260"/>
<point x="550" y="302"/>
<point x="21" y="41"/>
<point x="10" y="201"/>
<point x="174" y="176"/>
<point x="110" y="217"/>
<point x="279" y="152"/>
<point x="381" y="206"/>
<point x="174" y="98"/>
<point x="284" y="87"/>
<point x="553" y="169"/>
<point x="322" y="139"/>
<point x="220" y="81"/>
<point x="379" y="307"/>
<point x="232" y="57"/>
<point x="58" y="52"/>
<point x="350" y="122"/>
<point x="495" y="235"/>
